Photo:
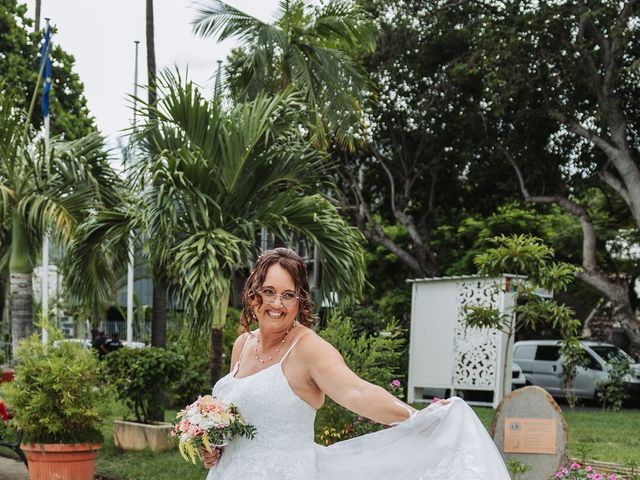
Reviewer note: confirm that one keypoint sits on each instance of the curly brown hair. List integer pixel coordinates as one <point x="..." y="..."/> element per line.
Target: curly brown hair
<point x="295" y="266"/>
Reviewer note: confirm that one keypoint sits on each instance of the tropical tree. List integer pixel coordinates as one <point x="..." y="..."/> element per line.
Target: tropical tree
<point x="19" y="49"/>
<point x="42" y="189"/>
<point x="313" y="50"/>
<point x="159" y="301"/>
<point x="216" y="177"/>
<point x="569" y="70"/>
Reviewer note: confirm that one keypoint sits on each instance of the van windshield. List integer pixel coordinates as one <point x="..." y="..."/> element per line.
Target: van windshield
<point x="609" y="353"/>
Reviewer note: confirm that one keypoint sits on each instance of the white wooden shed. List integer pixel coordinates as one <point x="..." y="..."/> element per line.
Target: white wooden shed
<point x="445" y="356"/>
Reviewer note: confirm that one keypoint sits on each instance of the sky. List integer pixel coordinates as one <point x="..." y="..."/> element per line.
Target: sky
<point x="101" y="34"/>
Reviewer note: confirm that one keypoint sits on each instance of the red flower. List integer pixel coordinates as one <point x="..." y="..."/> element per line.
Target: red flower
<point x="3" y="412"/>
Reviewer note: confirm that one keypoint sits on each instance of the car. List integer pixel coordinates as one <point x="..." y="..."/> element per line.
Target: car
<point x="80" y="341"/>
<point x="518" y="380"/>
<point x="541" y="364"/>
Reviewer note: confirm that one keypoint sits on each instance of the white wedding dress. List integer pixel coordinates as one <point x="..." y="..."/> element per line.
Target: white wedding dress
<point x="439" y="442"/>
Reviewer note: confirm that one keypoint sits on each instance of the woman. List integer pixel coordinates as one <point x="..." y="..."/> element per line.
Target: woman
<point x="279" y="377"/>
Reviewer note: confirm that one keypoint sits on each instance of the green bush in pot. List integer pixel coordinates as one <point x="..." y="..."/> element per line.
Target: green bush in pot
<point x="59" y="399"/>
<point x="58" y="394"/>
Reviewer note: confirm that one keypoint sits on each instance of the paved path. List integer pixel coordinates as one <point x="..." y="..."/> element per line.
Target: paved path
<point x="12" y="469"/>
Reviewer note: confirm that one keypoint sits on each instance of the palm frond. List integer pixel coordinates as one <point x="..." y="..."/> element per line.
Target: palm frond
<point x="98" y="255"/>
<point x="340" y="245"/>
<point x="342" y="25"/>
<point x="204" y="263"/>
<point x="215" y="18"/>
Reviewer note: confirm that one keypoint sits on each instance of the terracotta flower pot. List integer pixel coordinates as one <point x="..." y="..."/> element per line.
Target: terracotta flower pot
<point x="65" y="461"/>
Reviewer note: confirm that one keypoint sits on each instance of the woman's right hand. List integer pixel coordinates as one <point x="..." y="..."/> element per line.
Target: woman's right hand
<point x="210" y="459"/>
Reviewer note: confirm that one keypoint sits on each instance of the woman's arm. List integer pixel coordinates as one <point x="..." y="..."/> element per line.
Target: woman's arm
<point x="329" y="372"/>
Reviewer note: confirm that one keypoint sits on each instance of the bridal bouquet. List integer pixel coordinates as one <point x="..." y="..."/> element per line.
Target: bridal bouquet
<point x="208" y="422"/>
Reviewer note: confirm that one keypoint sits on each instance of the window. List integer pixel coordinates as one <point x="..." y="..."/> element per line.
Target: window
<point x="591" y="362"/>
<point x="524" y="352"/>
<point x="608" y="353"/>
<point x="549" y="353"/>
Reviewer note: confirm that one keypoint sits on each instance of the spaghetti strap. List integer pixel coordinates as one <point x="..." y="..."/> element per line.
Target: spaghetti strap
<point x="291" y="347"/>
<point x="244" y="347"/>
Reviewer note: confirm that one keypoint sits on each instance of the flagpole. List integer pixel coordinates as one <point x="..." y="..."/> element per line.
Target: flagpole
<point x="45" y="241"/>
<point x="130" y="266"/>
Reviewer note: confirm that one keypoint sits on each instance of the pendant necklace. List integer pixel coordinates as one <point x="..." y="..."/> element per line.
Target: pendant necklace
<point x="269" y="358"/>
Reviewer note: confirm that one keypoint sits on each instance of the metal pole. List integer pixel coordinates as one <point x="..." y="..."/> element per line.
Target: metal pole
<point x="45" y="241"/>
<point x="130" y="266"/>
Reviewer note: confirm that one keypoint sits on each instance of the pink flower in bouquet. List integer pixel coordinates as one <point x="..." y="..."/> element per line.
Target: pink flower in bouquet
<point x="208" y="422"/>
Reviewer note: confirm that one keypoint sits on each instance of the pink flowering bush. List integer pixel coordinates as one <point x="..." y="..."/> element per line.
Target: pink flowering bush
<point x="395" y="387"/>
<point x="578" y="472"/>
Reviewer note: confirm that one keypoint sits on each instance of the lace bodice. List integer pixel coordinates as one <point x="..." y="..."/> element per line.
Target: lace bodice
<point x="283" y="447"/>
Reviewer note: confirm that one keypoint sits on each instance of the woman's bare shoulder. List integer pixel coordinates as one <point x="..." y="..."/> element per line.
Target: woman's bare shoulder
<point x="240" y="340"/>
<point x="238" y="346"/>
<point x="313" y="345"/>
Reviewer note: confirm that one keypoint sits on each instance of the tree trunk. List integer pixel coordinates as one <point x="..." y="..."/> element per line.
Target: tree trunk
<point x="159" y="316"/>
<point x="618" y="294"/>
<point x="20" y="284"/>
<point x="151" y="54"/>
<point x="216" y="354"/>
<point x="21" y="307"/>
<point x="158" y="339"/>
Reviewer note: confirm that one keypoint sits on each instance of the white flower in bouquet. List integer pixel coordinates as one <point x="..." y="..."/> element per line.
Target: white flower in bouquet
<point x="208" y="422"/>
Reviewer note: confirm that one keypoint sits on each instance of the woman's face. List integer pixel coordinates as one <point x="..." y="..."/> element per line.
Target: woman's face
<point x="279" y="314"/>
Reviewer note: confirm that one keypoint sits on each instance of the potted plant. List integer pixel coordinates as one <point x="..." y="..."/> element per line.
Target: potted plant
<point x="138" y="376"/>
<point x="58" y="398"/>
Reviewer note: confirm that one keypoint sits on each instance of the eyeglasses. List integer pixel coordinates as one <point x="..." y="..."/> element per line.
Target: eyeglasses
<point x="269" y="295"/>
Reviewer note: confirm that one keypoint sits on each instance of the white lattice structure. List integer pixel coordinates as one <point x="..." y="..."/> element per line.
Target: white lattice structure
<point x="446" y="357"/>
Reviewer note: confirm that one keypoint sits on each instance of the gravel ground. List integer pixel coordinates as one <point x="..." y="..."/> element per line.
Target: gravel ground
<point x="12" y="469"/>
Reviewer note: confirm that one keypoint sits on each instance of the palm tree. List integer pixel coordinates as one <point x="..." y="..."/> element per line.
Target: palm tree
<point x="216" y="177"/>
<point x="42" y="190"/>
<point x="313" y="50"/>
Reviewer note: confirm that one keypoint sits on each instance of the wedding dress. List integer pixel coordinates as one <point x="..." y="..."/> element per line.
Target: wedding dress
<point x="439" y="442"/>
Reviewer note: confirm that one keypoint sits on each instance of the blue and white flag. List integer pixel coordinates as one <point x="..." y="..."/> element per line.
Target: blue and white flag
<point x="45" y="56"/>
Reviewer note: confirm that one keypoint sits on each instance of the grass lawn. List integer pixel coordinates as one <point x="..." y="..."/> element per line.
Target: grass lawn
<point x="145" y="464"/>
<point x="594" y="435"/>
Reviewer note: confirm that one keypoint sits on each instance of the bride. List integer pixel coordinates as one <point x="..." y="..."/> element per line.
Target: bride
<point x="279" y="377"/>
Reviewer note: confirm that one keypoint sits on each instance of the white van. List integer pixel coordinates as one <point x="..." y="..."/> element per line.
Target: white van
<point x="541" y="365"/>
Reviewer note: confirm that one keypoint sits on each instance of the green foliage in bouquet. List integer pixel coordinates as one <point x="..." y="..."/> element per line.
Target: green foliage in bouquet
<point x="135" y="374"/>
<point x="57" y="395"/>
<point x="374" y="358"/>
<point x="208" y="422"/>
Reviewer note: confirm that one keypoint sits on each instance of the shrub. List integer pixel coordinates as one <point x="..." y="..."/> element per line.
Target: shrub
<point x="195" y="378"/>
<point x="135" y="374"/>
<point x="374" y="358"/>
<point x="57" y="393"/>
<point x="578" y="472"/>
<point x="516" y="468"/>
<point x="612" y="391"/>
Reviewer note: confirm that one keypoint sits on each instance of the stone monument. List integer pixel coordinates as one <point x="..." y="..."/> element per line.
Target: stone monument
<point x="529" y="427"/>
